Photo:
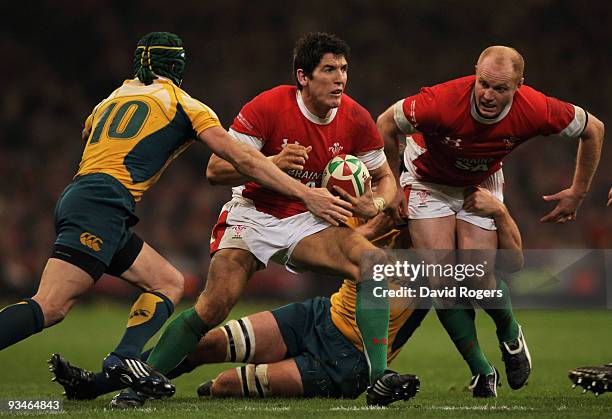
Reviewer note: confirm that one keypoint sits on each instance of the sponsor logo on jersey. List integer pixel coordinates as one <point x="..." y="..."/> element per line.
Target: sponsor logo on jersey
<point x="474" y="165"/>
<point x="453" y="142"/>
<point x="91" y="241"/>
<point x="335" y="149"/>
<point x="139" y="312"/>
<point x="306" y="175"/>
<point x="238" y="230"/>
<point x="423" y="196"/>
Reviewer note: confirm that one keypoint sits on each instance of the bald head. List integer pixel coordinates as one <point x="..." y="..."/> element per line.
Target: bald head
<point x="503" y="57"/>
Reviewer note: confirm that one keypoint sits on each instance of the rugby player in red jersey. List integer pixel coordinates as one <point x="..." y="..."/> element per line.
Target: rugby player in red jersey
<point x="468" y="126"/>
<point x="314" y="121"/>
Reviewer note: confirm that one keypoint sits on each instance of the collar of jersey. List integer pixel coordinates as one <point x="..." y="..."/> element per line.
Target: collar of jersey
<point x="482" y="119"/>
<point x="159" y="79"/>
<point x="312" y="117"/>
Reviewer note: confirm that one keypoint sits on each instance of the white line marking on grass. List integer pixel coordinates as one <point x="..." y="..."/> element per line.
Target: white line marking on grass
<point x="504" y="408"/>
<point x="356" y="408"/>
<point x="263" y="409"/>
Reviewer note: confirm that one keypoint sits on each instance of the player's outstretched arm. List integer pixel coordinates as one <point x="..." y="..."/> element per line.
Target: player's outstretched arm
<point x="481" y="202"/>
<point x="252" y="164"/>
<point x="221" y="172"/>
<point x="589" y="151"/>
<point x="388" y="130"/>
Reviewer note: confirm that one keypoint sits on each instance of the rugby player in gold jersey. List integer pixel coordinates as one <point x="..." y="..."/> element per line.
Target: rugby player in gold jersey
<point x="131" y="137"/>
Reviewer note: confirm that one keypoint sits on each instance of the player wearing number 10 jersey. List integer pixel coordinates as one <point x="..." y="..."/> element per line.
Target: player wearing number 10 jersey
<point x="132" y="136"/>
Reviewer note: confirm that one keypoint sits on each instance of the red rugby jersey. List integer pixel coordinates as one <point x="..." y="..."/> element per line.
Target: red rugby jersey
<point x="279" y="117"/>
<point x="461" y="148"/>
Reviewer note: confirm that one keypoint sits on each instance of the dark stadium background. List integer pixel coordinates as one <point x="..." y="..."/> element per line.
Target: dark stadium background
<point x="60" y="58"/>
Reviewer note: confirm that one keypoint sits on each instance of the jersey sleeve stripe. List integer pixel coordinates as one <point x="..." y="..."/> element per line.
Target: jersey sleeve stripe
<point x="578" y="124"/>
<point x="373" y="159"/>
<point x="400" y="118"/>
<point x="250" y="140"/>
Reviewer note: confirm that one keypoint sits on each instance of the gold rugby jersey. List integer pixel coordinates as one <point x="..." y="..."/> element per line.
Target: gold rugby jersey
<point x="343" y="305"/>
<point x="137" y="131"/>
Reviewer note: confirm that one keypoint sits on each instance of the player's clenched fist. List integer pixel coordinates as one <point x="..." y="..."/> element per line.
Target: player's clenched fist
<point x="480" y="201"/>
<point x="293" y="157"/>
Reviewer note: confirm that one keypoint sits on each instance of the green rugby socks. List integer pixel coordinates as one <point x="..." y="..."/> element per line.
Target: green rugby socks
<point x="372" y="317"/>
<point x="19" y="321"/>
<point x="180" y="338"/>
<point x="147" y="316"/>
<point x="460" y="326"/>
<point x="503" y="316"/>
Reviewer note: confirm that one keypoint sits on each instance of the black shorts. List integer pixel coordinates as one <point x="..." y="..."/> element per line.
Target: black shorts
<point x="329" y="364"/>
<point x="93" y="220"/>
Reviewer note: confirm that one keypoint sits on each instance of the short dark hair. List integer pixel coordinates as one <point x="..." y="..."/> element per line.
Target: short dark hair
<point x="310" y="48"/>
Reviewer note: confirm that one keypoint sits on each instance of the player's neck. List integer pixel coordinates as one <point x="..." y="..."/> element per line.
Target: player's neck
<point x="485" y="119"/>
<point x="307" y="109"/>
<point x="317" y="110"/>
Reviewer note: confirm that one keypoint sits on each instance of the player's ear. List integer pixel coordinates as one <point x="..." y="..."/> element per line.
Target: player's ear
<point x="520" y="82"/>
<point x="301" y="77"/>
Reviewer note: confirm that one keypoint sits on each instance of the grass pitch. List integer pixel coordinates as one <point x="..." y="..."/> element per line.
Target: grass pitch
<point x="558" y="341"/>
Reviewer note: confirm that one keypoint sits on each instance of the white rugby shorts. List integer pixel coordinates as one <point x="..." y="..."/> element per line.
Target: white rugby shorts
<point x="432" y="200"/>
<point x="242" y="226"/>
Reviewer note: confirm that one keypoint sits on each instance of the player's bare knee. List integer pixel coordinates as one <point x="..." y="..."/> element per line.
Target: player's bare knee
<point x="227" y="384"/>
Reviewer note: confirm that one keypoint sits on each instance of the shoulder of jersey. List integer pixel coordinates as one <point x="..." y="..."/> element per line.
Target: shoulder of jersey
<point x="354" y="109"/>
<point x="277" y="96"/>
<point x="455" y="86"/>
<point x="528" y="93"/>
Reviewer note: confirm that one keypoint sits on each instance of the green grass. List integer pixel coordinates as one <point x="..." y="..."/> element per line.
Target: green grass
<point x="558" y="340"/>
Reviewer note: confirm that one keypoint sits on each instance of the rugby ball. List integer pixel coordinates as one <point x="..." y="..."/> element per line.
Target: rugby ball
<point x="347" y="172"/>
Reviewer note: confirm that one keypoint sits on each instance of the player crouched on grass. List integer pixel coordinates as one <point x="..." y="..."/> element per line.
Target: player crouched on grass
<point x="310" y="348"/>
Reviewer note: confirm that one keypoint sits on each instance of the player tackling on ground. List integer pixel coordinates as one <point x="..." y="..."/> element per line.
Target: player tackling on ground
<point x="469" y="125"/>
<point x="318" y="336"/>
<point x="131" y="137"/>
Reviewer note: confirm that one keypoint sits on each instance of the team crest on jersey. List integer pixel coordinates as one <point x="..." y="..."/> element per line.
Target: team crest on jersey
<point x="423" y="196"/>
<point x="335" y="149"/>
<point x="286" y="143"/>
<point x="238" y="230"/>
<point x="453" y="142"/>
